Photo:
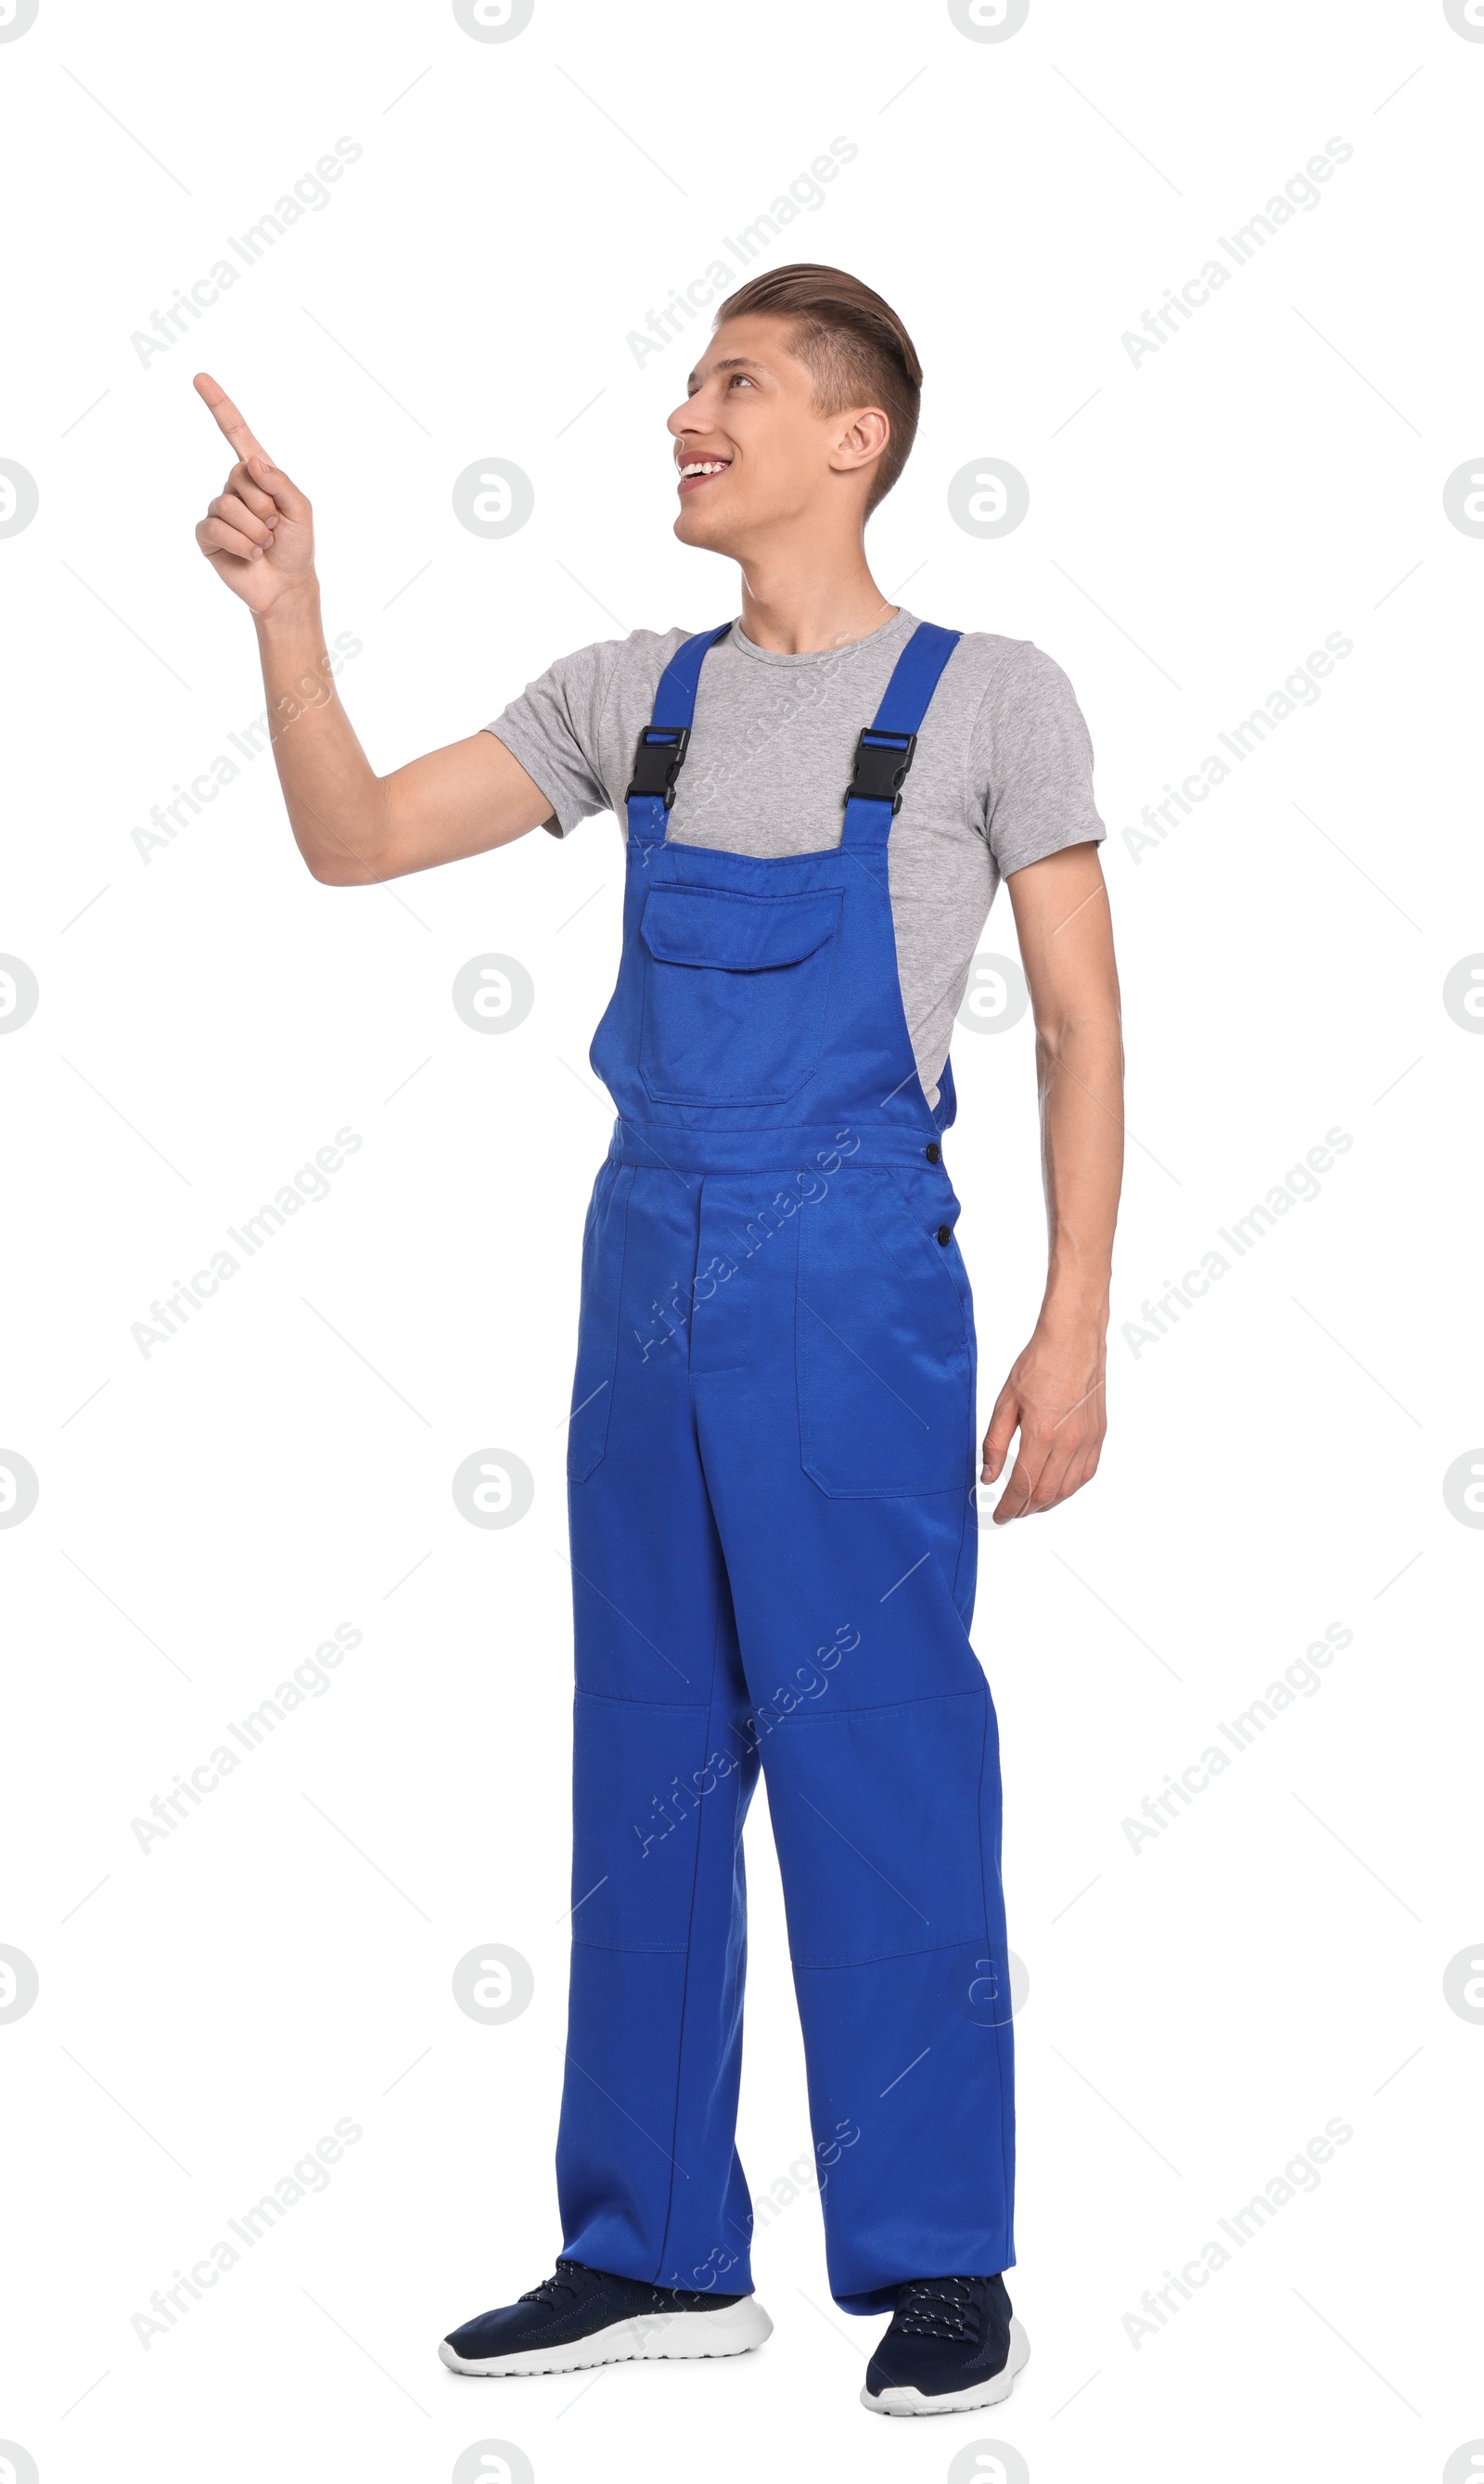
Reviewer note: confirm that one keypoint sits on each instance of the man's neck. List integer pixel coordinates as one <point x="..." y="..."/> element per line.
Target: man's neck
<point x="798" y="605"/>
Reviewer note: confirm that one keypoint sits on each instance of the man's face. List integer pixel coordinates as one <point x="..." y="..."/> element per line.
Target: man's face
<point x="762" y="457"/>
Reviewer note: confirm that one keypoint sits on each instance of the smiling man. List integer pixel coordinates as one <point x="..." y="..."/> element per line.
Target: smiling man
<point x="772" y="1442"/>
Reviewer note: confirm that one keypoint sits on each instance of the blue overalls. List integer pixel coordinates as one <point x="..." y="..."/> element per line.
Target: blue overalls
<point x="772" y="1463"/>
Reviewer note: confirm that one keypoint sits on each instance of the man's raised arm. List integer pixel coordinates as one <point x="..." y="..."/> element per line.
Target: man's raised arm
<point x="351" y="825"/>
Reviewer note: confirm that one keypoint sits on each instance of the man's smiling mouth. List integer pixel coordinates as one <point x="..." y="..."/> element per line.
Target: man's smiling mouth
<point x="698" y="471"/>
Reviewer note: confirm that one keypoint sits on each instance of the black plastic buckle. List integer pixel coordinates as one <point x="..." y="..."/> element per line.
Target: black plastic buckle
<point x="881" y="767"/>
<point x="658" y="764"/>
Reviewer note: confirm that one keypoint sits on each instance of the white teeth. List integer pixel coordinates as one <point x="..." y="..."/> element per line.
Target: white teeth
<point x="706" y="466"/>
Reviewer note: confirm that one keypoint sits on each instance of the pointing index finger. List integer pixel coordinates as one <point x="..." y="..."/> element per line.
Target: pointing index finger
<point x="228" y="420"/>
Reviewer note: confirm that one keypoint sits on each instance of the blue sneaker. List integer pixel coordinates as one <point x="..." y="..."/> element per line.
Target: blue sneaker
<point x="953" y="2344"/>
<point x="582" y="2316"/>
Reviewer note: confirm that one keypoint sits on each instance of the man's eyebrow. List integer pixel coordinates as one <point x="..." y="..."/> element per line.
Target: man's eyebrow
<point x="733" y="362"/>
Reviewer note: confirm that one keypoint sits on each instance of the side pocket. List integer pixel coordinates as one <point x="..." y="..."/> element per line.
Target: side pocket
<point x="886" y="1367"/>
<point x="604" y="1237"/>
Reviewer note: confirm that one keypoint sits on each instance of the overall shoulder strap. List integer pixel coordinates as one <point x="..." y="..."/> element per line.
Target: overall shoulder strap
<point x="884" y="751"/>
<point x="660" y="753"/>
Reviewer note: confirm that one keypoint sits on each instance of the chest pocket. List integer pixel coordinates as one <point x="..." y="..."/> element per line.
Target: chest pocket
<point x="735" y="993"/>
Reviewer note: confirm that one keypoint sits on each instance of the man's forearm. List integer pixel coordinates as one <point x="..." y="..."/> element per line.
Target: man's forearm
<point x="334" y="799"/>
<point x="1082" y="1144"/>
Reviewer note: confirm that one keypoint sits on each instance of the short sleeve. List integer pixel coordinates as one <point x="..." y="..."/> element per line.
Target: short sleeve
<point x="552" y="729"/>
<point x="1031" y="761"/>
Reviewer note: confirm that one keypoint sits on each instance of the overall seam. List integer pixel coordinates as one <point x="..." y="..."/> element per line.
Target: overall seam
<point x="630" y="1948"/>
<point x="1000" y="2029"/>
<point x="651" y="1707"/>
<point x="873" y="1708"/>
<point x="684" y="1988"/>
<point x="970" y="1510"/>
<point x="979" y="1812"/>
<point x="871" y="1957"/>
<point x="618" y="1204"/>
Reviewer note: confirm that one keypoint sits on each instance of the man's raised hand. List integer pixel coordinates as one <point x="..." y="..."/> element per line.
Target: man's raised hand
<point x="258" y="532"/>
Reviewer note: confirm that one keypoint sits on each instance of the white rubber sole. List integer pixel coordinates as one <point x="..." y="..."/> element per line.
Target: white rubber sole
<point x="653" y="2337"/>
<point x="958" y="2401"/>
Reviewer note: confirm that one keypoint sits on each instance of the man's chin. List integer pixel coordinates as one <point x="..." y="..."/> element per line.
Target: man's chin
<point x="706" y="531"/>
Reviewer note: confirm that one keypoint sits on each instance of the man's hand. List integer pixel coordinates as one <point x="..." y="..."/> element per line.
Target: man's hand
<point x="1055" y="1398"/>
<point x="258" y="532"/>
<point x="352" y="825"/>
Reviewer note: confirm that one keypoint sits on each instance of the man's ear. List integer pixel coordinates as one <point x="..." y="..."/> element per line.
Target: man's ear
<point x="861" y="441"/>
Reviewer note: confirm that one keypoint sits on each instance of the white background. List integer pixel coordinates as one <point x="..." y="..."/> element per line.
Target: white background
<point x="210" y="1018"/>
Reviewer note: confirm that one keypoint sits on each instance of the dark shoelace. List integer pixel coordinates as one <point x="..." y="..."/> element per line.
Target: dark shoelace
<point x="559" y="2283"/>
<point x="937" y="2306"/>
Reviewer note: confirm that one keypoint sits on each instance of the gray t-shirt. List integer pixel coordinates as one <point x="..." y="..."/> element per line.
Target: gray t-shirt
<point x="1002" y="776"/>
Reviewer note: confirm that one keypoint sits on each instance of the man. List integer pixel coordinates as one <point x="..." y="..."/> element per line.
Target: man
<point x="772" y="1445"/>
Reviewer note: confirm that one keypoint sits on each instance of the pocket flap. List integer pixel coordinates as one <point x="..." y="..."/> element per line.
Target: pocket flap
<point x="720" y="926"/>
